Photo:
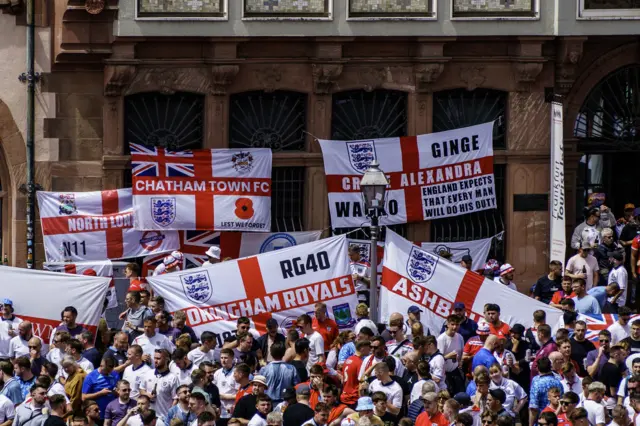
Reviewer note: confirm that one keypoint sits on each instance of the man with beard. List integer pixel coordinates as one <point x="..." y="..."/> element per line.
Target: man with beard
<point x="547" y="285"/>
<point x="580" y="346"/>
<point x="160" y="385"/>
<point x="583" y="266"/>
<point x="379" y="349"/>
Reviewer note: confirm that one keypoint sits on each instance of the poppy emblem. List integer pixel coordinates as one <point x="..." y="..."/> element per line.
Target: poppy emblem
<point x="244" y="208"/>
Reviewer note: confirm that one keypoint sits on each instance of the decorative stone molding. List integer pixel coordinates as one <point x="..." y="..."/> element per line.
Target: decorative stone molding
<point x="170" y="80"/>
<point x="569" y="53"/>
<point x="372" y="78"/>
<point x="325" y="77"/>
<point x="94" y="7"/>
<point x="526" y="74"/>
<point x="269" y="77"/>
<point x="473" y="76"/>
<point x="221" y="78"/>
<point x="427" y="75"/>
<point x="117" y="79"/>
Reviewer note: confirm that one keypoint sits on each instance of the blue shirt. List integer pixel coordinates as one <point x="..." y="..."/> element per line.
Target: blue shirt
<point x="175" y="411"/>
<point x="25" y="386"/>
<point x="600" y="294"/>
<point x="13" y="391"/>
<point x="587" y="305"/>
<point x="471" y="388"/>
<point x="540" y="385"/>
<point x="279" y="377"/>
<point x="483" y="357"/>
<point x="95" y="382"/>
<point x="347" y="350"/>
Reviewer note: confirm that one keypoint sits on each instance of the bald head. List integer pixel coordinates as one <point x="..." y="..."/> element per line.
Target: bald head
<point x="480" y="369"/>
<point x="24" y="329"/>
<point x="553" y="356"/>
<point x="35" y="342"/>
<point x="396" y="316"/>
<point x="491" y="342"/>
<point x="412" y="356"/>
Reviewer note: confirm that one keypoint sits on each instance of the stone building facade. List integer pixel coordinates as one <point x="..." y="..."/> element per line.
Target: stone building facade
<point x="217" y="73"/>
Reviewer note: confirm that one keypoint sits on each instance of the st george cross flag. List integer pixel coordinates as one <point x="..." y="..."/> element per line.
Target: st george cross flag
<point x="414" y="276"/>
<point x="96" y="269"/>
<point x="477" y="249"/>
<point x="205" y="189"/>
<point x="281" y="284"/>
<point x="194" y="244"/>
<point x="430" y="176"/>
<point x="94" y="226"/>
<point x="40" y="296"/>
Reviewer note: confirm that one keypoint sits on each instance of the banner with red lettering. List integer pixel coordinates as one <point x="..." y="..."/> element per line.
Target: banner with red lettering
<point x="194" y="244"/>
<point x="94" y="226"/>
<point x="414" y="276"/>
<point x="281" y="284"/>
<point x="40" y="296"/>
<point x="205" y="189"/>
<point x="95" y="269"/>
<point x="430" y="176"/>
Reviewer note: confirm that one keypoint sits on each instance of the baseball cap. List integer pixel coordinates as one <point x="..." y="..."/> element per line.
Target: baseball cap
<point x="459" y="305"/>
<point x="214" y="251"/>
<point x="506" y="268"/>
<point x="483" y="328"/>
<point x="260" y="379"/>
<point x="629" y="206"/>
<point x="466" y="258"/>
<point x="303" y="390"/>
<point x="498" y="394"/>
<point x="413" y="309"/>
<point x="364" y="403"/>
<point x="463" y="399"/>
<point x="7" y="302"/>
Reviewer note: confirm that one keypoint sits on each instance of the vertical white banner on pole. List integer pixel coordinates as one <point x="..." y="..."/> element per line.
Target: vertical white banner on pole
<point x="558" y="207"/>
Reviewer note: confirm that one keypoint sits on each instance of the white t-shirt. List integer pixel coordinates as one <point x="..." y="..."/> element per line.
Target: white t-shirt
<point x="514" y="393"/>
<point x="226" y="385"/>
<point x="577" y="262"/>
<point x="135" y="377"/>
<point x="184" y="376"/>
<point x="619" y="332"/>
<point x="137" y="421"/>
<point x="7" y="410"/>
<point x="436" y="366"/>
<point x="165" y="386"/>
<point x="256" y="420"/>
<point x="509" y="285"/>
<point x="595" y="412"/>
<point x="448" y="344"/>
<point x="55" y="356"/>
<point x="196" y="356"/>
<point x="416" y="390"/>
<point x="575" y="386"/>
<point x="392" y="390"/>
<point x="84" y="363"/>
<point x="19" y="347"/>
<point x="150" y="344"/>
<point x="366" y="322"/>
<point x="619" y="275"/>
<point x="5" y="338"/>
<point x="57" y="389"/>
<point x="369" y="361"/>
<point x="361" y="268"/>
<point x="316" y="348"/>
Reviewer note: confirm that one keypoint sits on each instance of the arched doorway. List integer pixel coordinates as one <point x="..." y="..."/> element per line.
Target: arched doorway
<point x="607" y="128"/>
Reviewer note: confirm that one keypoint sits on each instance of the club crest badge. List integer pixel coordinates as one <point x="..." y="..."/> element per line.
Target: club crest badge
<point x="361" y="154"/>
<point x="197" y="286"/>
<point x="421" y="265"/>
<point x="342" y="315"/>
<point x="242" y="162"/>
<point x="364" y="249"/>
<point x="67" y="204"/>
<point x="163" y="210"/>
<point x="278" y="241"/>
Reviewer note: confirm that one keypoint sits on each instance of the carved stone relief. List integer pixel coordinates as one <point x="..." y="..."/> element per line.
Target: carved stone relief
<point x="325" y="77"/>
<point x="426" y="76"/>
<point x="473" y="76"/>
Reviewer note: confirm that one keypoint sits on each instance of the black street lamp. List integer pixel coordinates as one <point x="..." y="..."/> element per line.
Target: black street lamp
<point x="374" y="188"/>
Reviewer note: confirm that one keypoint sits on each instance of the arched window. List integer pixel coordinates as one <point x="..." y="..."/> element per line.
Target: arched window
<point x="175" y="122"/>
<point x="457" y="108"/>
<point x="278" y="121"/>
<point x="359" y="114"/>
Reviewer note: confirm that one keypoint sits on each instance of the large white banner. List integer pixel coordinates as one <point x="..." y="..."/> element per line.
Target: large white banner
<point x="96" y="269"/>
<point x="40" y="296"/>
<point x="94" y="226"/>
<point x="477" y="249"/>
<point x="414" y="276"/>
<point x="430" y="176"/>
<point x="206" y="189"/>
<point x="281" y="284"/>
<point x="194" y="244"/>
<point x="558" y="238"/>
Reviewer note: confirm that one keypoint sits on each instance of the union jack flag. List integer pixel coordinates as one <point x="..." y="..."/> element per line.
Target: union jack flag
<point x="598" y="322"/>
<point x="193" y="245"/>
<point x="171" y="160"/>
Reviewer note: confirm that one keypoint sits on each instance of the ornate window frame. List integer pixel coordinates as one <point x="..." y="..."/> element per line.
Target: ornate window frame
<point x="288" y="17"/>
<point x="223" y="15"/>
<point x="432" y="16"/>
<point x="480" y="16"/>
<point x="583" y="14"/>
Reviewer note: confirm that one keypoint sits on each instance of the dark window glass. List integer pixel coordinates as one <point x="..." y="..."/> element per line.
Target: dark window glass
<point x="287" y="199"/>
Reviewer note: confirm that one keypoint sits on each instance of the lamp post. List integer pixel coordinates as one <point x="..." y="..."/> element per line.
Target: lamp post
<point x="374" y="188"/>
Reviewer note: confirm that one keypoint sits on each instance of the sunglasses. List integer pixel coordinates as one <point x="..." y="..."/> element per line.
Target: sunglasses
<point x="489" y="422"/>
<point x="565" y="403"/>
<point x="33" y="347"/>
<point x="604" y="341"/>
<point x="393" y="332"/>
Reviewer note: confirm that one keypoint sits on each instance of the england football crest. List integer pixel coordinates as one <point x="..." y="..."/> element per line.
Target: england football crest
<point x="197" y="286"/>
<point x="242" y="162"/>
<point x="364" y="249"/>
<point x="67" y="204"/>
<point x="342" y="315"/>
<point x="361" y="154"/>
<point x="163" y="210"/>
<point x="421" y="265"/>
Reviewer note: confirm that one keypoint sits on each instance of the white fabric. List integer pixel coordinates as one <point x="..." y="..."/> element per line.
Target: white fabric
<point x="196" y="356"/>
<point x="514" y="393"/>
<point x="436" y="367"/>
<point x="150" y="344"/>
<point x="619" y="275"/>
<point x="226" y="385"/>
<point x="366" y="322"/>
<point x="595" y="412"/>
<point x="392" y="390"/>
<point x="316" y="348"/>
<point x="20" y="347"/>
<point x="619" y="332"/>
<point x="7" y="410"/>
<point x="136" y="377"/>
<point x="5" y="338"/>
<point x="510" y="285"/>
<point x="184" y="376"/>
<point x="165" y="387"/>
<point x="256" y="420"/>
<point x="447" y="344"/>
<point x="576" y="263"/>
<point x="101" y="269"/>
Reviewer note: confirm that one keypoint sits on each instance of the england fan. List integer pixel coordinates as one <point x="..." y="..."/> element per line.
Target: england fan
<point x="135" y="315"/>
<point x="8" y="328"/>
<point x="135" y="373"/>
<point x="213" y="256"/>
<point x="160" y="385"/>
<point x="19" y="345"/>
<point x="204" y="352"/>
<point x="361" y="273"/>
<point x="150" y="341"/>
<point x="223" y="379"/>
<point x="181" y="366"/>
